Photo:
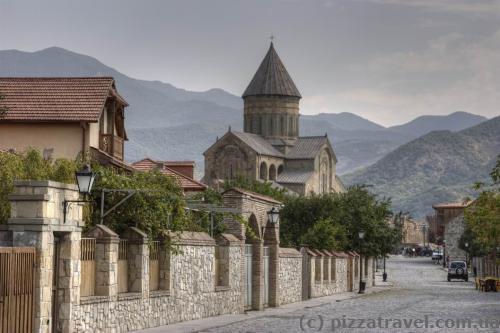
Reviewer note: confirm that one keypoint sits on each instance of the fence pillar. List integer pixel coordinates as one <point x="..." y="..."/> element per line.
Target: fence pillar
<point x="106" y="257"/>
<point x="272" y="240"/>
<point x="36" y="219"/>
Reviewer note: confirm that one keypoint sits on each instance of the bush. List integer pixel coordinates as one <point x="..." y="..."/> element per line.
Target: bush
<point x="30" y="165"/>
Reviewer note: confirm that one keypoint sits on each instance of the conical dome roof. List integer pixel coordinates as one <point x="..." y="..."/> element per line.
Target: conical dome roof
<point x="271" y="78"/>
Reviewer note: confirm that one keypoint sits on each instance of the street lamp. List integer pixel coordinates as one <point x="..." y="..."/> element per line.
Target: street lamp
<point x="273" y="215"/>
<point x="361" y="235"/>
<point x="444" y="252"/>
<point x="84" y="180"/>
<point x="466" y="253"/>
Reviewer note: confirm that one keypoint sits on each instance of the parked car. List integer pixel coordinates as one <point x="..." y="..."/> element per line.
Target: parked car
<point x="426" y="252"/>
<point x="458" y="270"/>
<point x="437" y="254"/>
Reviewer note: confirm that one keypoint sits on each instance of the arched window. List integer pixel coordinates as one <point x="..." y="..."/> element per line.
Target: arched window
<point x="280" y="169"/>
<point x="263" y="171"/>
<point x="272" y="172"/>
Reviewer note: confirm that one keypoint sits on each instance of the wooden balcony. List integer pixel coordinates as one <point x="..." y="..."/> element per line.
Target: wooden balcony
<point x="111" y="145"/>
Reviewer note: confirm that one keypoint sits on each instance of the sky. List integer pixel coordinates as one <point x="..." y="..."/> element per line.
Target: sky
<point x="386" y="60"/>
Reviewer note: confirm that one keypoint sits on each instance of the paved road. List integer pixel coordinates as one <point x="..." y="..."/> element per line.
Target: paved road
<point x="420" y="301"/>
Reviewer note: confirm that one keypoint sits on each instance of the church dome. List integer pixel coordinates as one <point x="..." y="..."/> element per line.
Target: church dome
<point x="271" y="78"/>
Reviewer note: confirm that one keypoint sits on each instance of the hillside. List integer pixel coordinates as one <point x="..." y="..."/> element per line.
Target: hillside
<point x="425" y="124"/>
<point x="438" y="167"/>
<point x="166" y="122"/>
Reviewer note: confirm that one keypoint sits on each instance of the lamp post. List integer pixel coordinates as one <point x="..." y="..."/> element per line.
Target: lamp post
<point x="424" y="230"/>
<point x="444" y="252"/>
<point x="467" y="253"/>
<point x="85" y="180"/>
<point x="361" y="235"/>
<point x="384" y="275"/>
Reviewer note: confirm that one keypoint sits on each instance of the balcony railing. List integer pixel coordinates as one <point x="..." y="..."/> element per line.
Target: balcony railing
<point x="112" y="145"/>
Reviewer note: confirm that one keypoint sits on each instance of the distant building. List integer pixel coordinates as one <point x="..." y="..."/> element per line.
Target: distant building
<point x="413" y="232"/>
<point x="270" y="148"/>
<point x="450" y="220"/>
<point x="63" y="117"/>
<point x="181" y="171"/>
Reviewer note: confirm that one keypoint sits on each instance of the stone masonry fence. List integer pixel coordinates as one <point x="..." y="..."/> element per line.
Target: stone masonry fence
<point x="99" y="281"/>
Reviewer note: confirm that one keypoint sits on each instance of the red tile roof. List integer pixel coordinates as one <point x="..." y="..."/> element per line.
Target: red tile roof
<point x="56" y="98"/>
<point x="187" y="184"/>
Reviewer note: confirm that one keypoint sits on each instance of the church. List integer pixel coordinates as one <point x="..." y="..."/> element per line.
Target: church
<point x="270" y="148"/>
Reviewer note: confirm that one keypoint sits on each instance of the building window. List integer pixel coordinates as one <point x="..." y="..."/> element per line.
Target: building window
<point x="272" y="172"/>
<point x="263" y="171"/>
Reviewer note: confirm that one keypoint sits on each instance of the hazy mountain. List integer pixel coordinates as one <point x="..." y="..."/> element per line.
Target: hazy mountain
<point x="346" y="121"/>
<point x="425" y="124"/>
<point x="440" y="166"/>
<point x="166" y="122"/>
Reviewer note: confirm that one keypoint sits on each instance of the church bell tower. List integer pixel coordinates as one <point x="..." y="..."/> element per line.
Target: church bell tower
<point x="271" y="101"/>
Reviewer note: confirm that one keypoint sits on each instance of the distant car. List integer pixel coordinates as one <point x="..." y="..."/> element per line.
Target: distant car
<point x="437" y="255"/>
<point x="458" y="270"/>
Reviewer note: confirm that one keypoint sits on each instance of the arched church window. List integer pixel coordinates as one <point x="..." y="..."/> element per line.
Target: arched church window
<point x="263" y="171"/>
<point x="282" y="125"/>
<point x="272" y="172"/>
<point x="280" y="169"/>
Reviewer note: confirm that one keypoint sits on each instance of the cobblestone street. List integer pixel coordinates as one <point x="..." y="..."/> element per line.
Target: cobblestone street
<point x="420" y="291"/>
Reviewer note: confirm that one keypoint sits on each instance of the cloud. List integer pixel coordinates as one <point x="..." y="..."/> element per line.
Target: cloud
<point x="469" y="6"/>
<point x="451" y="74"/>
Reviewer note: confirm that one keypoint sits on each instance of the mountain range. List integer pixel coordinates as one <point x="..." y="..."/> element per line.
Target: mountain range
<point x="441" y="166"/>
<point x="170" y="123"/>
<point x="165" y="122"/>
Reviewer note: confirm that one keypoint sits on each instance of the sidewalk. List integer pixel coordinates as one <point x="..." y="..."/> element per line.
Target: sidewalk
<point x="213" y="322"/>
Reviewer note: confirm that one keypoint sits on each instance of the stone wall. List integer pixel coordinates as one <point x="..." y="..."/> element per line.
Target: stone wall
<point x="317" y="283"/>
<point x="193" y="294"/>
<point x="290" y="276"/>
<point x="190" y="286"/>
<point x="327" y="287"/>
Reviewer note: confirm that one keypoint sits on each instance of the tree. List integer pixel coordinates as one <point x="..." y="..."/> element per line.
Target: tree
<point x="353" y="211"/>
<point x="30" y="165"/>
<point x="157" y="205"/>
<point x="325" y="235"/>
<point x="483" y="215"/>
